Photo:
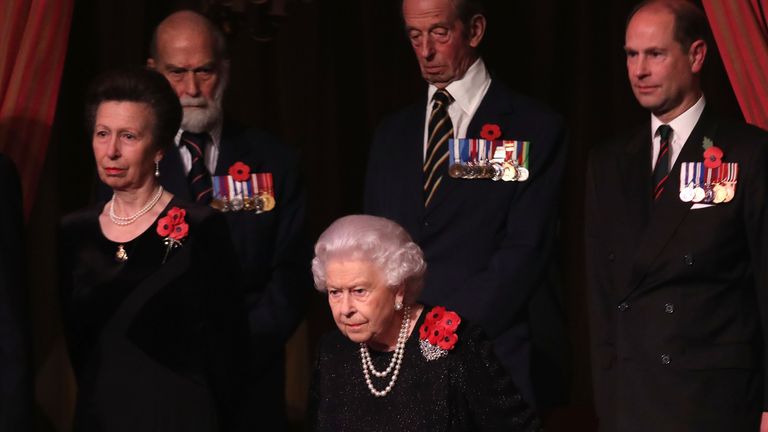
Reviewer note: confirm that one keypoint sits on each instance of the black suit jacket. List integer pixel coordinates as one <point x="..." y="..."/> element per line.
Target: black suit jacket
<point x="677" y="294"/>
<point x="14" y="367"/>
<point x="488" y="245"/>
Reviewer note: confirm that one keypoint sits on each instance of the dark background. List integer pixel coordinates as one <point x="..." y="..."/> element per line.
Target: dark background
<point x="321" y="77"/>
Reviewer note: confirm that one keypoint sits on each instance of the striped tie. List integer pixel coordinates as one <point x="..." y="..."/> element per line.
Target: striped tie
<point x="661" y="170"/>
<point x="440" y="130"/>
<point x="199" y="178"/>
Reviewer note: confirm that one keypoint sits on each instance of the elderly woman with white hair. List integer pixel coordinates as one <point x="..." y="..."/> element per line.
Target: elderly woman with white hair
<point x="394" y="364"/>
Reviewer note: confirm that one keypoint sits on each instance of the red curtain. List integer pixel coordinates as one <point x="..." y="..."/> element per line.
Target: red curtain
<point x="33" y="44"/>
<point x="741" y="34"/>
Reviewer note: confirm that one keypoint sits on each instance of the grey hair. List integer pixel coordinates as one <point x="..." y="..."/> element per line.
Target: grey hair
<point x="375" y="239"/>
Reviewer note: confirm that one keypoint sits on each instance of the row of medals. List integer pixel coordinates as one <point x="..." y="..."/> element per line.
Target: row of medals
<point x="716" y="193"/>
<point x="506" y="171"/>
<point x="263" y="202"/>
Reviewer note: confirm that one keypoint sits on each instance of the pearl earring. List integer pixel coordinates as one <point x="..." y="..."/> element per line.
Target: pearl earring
<point x="398" y="306"/>
<point x="157" y="169"/>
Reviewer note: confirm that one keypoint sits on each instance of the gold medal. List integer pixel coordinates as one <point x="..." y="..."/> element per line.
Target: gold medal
<point x="510" y="172"/>
<point x="719" y="192"/>
<point x="268" y="201"/>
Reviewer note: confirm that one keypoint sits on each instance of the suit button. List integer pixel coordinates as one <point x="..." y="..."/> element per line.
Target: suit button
<point x="688" y="260"/>
<point x="665" y="359"/>
<point x="426" y="224"/>
<point x="669" y="308"/>
<point x="623" y="306"/>
<point x="611" y="256"/>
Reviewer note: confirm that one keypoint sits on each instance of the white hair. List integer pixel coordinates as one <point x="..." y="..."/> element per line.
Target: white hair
<point x="377" y="240"/>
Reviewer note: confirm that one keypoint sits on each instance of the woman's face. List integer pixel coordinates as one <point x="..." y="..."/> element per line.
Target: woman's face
<point x="362" y="304"/>
<point x="123" y="145"/>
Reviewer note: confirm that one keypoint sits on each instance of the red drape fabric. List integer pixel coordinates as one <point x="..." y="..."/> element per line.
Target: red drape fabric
<point x="33" y="44"/>
<point x="741" y="34"/>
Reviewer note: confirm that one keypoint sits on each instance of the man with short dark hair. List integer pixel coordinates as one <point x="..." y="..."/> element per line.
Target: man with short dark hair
<point x="676" y="235"/>
<point x="254" y="179"/>
<point x="489" y="244"/>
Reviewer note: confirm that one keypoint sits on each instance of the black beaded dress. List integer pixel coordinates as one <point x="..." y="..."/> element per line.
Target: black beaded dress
<point x="466" y="390"/>
<point x="154" y="345"/>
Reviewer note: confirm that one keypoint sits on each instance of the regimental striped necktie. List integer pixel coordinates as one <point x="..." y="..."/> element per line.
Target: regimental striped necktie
<point x="199" y="178"/>
<point x="440" y="131"/>
<point x="661" y="170"/>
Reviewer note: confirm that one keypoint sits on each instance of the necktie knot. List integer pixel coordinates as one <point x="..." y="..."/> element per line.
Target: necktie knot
<point x="664" y="131"/>
<point x="441" y="97"/>
<point x="195" y="142"/>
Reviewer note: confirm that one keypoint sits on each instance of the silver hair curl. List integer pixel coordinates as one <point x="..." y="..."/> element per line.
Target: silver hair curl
<point x="377" y="240"/>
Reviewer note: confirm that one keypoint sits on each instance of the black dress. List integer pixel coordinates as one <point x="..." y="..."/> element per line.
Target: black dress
<point x="466" y="390"/>
<point x="154" y="345"/>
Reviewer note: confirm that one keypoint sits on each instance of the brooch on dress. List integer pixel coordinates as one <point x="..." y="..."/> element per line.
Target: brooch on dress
<point x="174" y="228"/>
<point x="437" y="335"/>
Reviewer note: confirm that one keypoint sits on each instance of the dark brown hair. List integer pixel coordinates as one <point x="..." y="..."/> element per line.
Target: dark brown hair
<point x="138" y="85"/>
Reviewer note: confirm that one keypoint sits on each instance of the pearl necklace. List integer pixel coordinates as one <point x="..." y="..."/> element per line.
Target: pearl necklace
<point x="397" y="359"/>
<point x="122" y="221"/>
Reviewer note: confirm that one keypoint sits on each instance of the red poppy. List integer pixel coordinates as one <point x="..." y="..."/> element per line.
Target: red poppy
<point x="451" y="321"/>
<point x="435" y="335"/>
<point x="177" y="215"/>
<point x="713" y="157"/>
<point x="448" y="341"/>
<point x="436" y="314"/>
<point x="164" y="226"/>
<point x="240" y="171"/>
<point x="424" y="331"/>
<point x="490" y="132"/>
<point x="180" y="231"/>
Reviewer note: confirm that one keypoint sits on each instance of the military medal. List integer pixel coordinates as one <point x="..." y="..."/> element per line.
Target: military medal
<point x="709" y="195"/>
<point x="686" y="182"/>
<point x="698" y="191"/>
<point x="263" y="189"/>
<point x="730" y="183"/>
<point x="455" y="169"/>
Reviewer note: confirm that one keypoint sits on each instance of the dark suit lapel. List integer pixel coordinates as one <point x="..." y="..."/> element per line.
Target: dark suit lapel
<point x="635" y="179"/>
<point x="669" y="211"/>
<point x="172" y="175"/>
<point x="493" y="109"/>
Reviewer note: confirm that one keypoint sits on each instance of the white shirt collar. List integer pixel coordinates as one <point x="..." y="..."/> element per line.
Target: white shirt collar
<point x="215" y="134"/>
<point x="682" y="125"/>
<point x="469" y="90"/>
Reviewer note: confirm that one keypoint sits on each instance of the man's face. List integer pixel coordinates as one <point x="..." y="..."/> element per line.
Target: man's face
<point x="187" y="60"/>
<point x="445" y="48"/>
<point x="662" y="74"/>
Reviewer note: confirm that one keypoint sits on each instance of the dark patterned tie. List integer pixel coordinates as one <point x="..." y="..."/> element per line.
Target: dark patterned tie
<point x="661" y="170"/>
<point x="199" y="178"/>
<point x="440" y="131"/>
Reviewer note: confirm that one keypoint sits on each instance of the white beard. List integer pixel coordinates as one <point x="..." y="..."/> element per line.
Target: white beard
<point x="206" y="112"/>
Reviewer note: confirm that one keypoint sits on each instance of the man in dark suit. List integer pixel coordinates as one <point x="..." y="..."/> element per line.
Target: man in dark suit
<point x="190" y="52"/>
<point x="489" y="244"/>
<point x="677" y="267"/>
<point x="14" y="366"/>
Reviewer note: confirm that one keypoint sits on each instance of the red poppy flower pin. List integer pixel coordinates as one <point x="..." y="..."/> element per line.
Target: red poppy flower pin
<point x="437" y="335"/>
<point x="240" y="171"/>
<point x="713" y="155"/>
<point x="490" y="132"/>
<point x="174" y="228"/>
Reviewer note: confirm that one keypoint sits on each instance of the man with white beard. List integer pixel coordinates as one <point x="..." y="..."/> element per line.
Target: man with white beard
<point x="265" y="209"/>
